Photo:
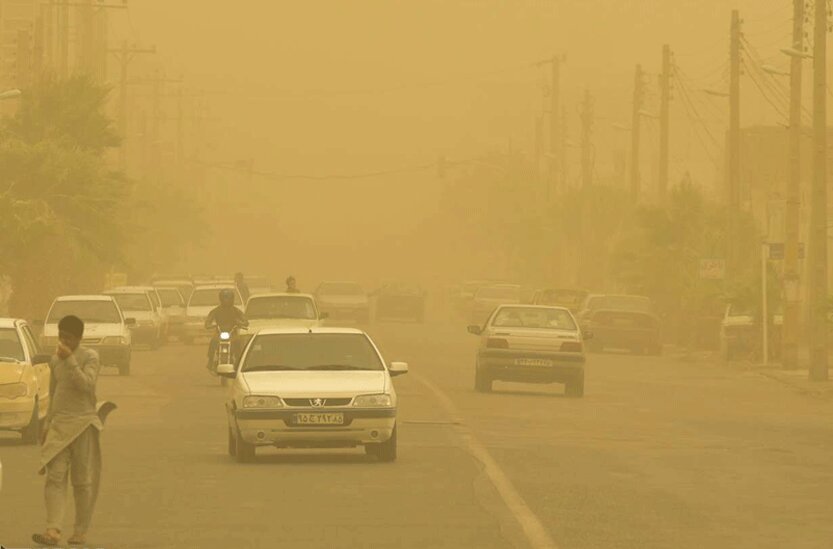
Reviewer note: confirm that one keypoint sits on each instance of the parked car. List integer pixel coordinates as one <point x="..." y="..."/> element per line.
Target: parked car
<point x="741" y="334"/>
<point x="343" y="301"/>
<point x="203" y="299"/>
<point x="106" y="329"/>
<point x="532" y="344"/>
<point x="400" y="301"/>
<point x="312" y="388"/>
<point x="561" y="297"/>
<point x="622" y="322"/>
<point x="488" y="298"/>
<point x="137" y="302"/>
<point x="24" y="380"/>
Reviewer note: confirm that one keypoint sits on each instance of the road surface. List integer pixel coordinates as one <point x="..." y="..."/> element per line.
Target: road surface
<point x="660" y="453"/>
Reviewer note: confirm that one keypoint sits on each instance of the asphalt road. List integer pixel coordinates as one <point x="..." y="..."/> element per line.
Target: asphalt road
<point x="660" y="453"/>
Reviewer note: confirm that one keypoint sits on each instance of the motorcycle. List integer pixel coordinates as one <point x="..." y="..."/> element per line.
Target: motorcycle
<point x="224" y="352"/>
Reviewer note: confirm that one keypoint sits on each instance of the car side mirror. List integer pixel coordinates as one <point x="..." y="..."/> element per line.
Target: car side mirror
<point x="398" y="368"/>
<point x="475" y="329"/>
<point x="41" y="359"/>
<point x="130" y="321"/>
<point x="587" y="334"/>
<point x="324" y="316"/>
<point x="226" y="370"/>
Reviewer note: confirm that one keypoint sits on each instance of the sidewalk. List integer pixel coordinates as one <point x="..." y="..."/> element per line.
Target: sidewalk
<point x="797" y="380"/>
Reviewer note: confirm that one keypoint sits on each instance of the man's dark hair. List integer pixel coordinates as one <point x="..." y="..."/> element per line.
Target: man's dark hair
<point x="72" y="325"/>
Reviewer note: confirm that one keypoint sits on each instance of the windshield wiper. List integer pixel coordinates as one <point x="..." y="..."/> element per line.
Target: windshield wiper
<point x="335" y="367"/>
<point x="269" y="368"/>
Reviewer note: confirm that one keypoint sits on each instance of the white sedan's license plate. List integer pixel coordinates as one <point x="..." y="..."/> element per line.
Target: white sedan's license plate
<point x="532" y="362"/>
<point x="318" y="419"/>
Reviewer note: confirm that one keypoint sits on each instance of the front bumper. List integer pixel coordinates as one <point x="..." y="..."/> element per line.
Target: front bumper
<point x="144" y="334"/>
<point x="502" y="365"/>
<point x="275" y="427"/>
<point x="15" y="414"/>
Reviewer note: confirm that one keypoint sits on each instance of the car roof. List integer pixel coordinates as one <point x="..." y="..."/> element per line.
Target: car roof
<point x="320" y="330"/>
<point x="167" y="281"/>
<point x="91" y="297"/>
<point x="215" y="286"/>
<point x="339" y="282"/>
<point x="131" y="290"/>
<point x="6" y="323"/>
<point x="526" y="306"/>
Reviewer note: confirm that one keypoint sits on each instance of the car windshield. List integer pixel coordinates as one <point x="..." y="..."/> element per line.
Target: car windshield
<point x="340" y="288"/>
<point x="534" y="317"/>
<point x="275" y="352"/>
<point x="102" y="312"/>
<point x="203" y="297"/>
<point x="280" y="307"/>
<point x="620" y="303"/>
<point x="10" y="346"/>
<point x="170" y="297"/>
<point x="133" y="302"/>
<point x="495" y="292"/>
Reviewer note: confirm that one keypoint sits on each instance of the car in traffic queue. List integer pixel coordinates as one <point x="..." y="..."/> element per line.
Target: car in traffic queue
<point x="400" y="301"/>
<point x="488" y="298"/>
<point x="343" y="301"/>
<point x="621" y="322"/>
<point x="24" y="380"/>
<point x="466" y="291"/>
<point x="203" y="299"/>
<point x="312" y="388"/>
<point x="137" y="302"/>
<point x="173" y="307"/>
<point x="281" y="310"/>
<point x="741" y="336"/>
<point x="530" y="344"/>
<point x="106" y="329"/>
<point x="560" y="297"/>
<point x="183" y="284"/>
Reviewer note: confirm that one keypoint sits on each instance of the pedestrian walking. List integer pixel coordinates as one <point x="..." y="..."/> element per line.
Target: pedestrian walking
<point x="70" y="447"/>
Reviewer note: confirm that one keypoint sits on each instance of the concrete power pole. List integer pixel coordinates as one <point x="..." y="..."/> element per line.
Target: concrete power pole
<point x="555" y="128"/>
<point x="734" y="142"/>
<point x="638" y="99"/>
<point x="664" y="121"/>
<point x="125" y="55"/>
<point x="587" y="140"/>
<point x="790" y="288"/>
<point x="818" y="203"/>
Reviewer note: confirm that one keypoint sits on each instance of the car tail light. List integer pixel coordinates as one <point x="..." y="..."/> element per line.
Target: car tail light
<point x="572" y="347"/>
<point x="497" y="343"/>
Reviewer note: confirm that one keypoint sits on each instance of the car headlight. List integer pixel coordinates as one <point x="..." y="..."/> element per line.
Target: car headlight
<point x="373" y="401"/>
<point x="255" y="401"/>
<point x="14" y="390"/>
<point x="114" y="340"/>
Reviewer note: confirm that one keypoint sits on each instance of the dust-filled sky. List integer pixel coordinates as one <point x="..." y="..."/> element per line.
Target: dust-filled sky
<point x="343" y="87"/>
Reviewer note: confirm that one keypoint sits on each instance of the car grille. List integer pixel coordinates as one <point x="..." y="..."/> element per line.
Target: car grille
<point x="308" y="402"/>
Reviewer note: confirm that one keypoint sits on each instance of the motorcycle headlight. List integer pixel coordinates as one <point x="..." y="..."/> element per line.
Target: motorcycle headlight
<point x="114" y="340"/>
<point x="373" y="401"/>
<point x="256" y="401"/>
<point x="225" y="336"/>
<point x="14" y="390"/>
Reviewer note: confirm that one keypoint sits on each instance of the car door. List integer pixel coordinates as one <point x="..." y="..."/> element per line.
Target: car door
<point x="42" y="371"/>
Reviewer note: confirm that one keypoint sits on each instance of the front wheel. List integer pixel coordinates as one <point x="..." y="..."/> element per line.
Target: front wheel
<point x="31" y="433"/>
<point x="232" y="443"/>
<point x="575" y="388"/>
<point x="482" y="383"/>
<point x="244" y="452"/>
<point x="384" y="451"/>
<point x="124" y="368"/>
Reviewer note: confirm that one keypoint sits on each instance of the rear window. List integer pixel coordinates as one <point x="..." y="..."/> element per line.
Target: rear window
<point x="311" y="352"/>
<point x="10" y="346"/>
<point x="102" y="312"/>
<point x="567" y="298"/>
<point x="623" y="319"/>
<point x="620" y="303"/>
<point x="133" y="302"/>
<point x="170" y="297"/>
<point x="203" y="297"/>
<point x="280" y="307"/>
<point x="534" y="317"/>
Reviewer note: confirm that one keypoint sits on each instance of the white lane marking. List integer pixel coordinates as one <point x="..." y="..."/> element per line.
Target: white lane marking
<point x="535" y="532"/>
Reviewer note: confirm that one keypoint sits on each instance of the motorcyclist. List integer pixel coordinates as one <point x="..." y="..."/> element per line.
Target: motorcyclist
<point x="291" y="286"/>
<point x="226" y="317"/>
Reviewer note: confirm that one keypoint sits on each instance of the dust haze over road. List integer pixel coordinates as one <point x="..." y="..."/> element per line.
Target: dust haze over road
<point x="561" y="266"/>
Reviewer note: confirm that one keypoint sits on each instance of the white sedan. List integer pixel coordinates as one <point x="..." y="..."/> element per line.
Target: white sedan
<point x="312" y="388"/>
<point x="532" y="344"/>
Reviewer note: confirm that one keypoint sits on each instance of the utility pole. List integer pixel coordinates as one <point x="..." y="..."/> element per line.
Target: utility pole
<point x="587" y="140"/>
<point x="664" y="121"/>
<point x="555" y="127"/>
<point x="734" y="141"/>
<point x="790" y="284"/>
<point x="818" y="203"/>
<point x="125" y="55"/>
<point x="638" y="99"/>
